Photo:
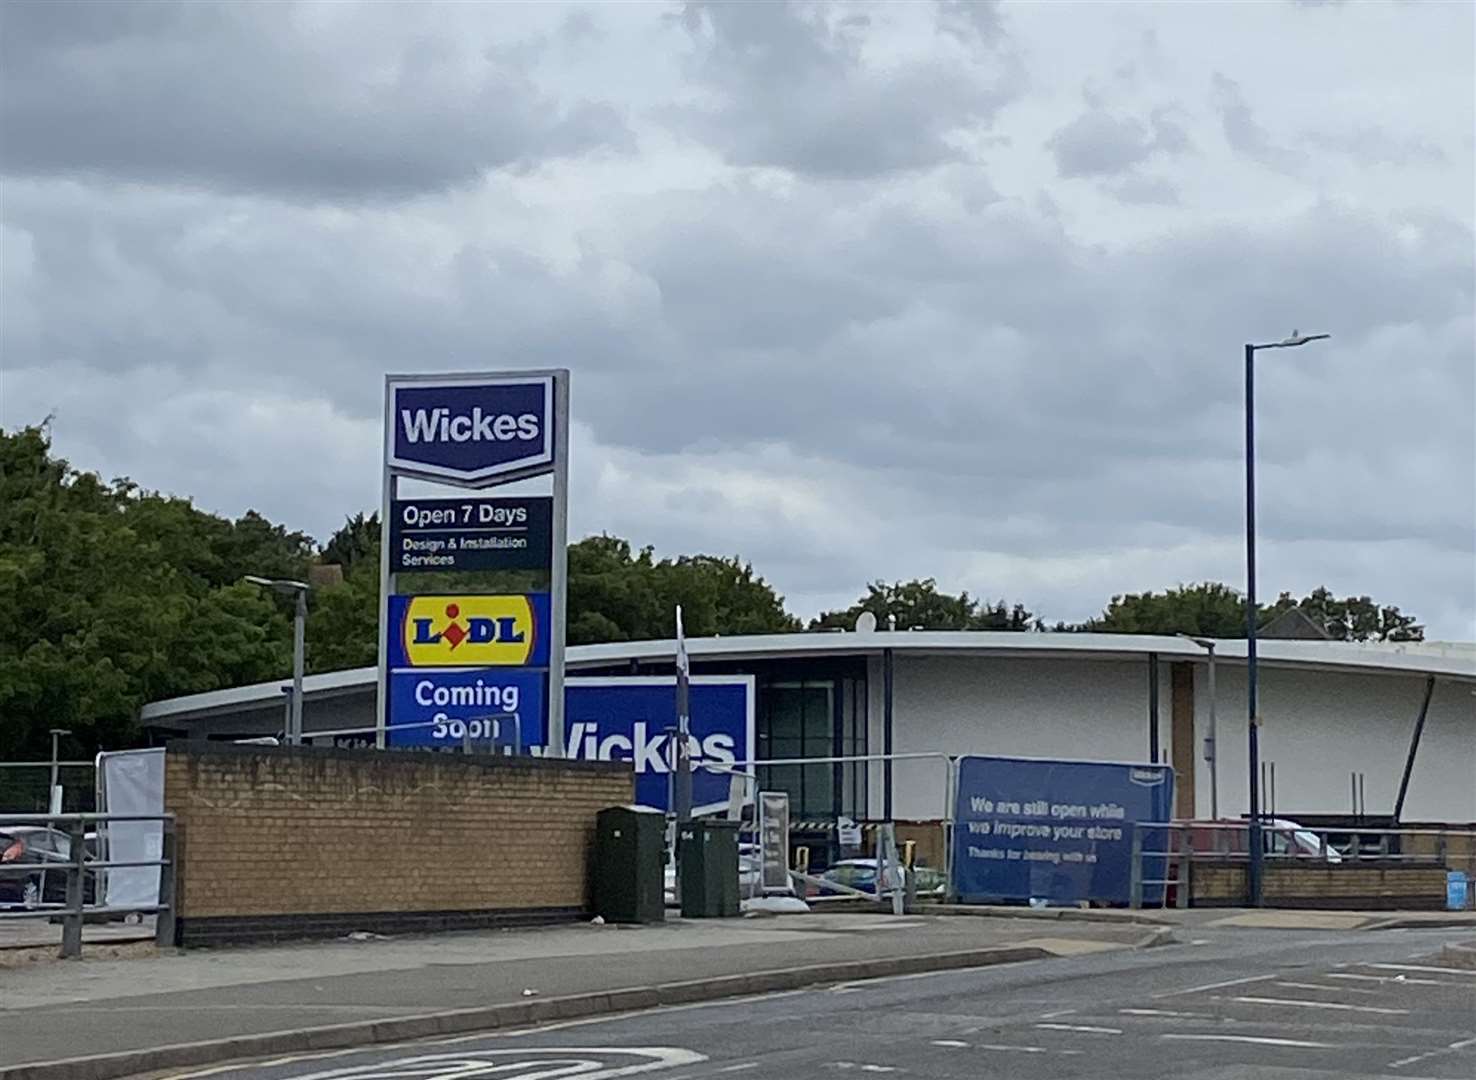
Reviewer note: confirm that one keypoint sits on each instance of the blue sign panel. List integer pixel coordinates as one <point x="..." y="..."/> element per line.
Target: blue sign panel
<point x="469" y="631"/>
<point x="487" y="706"/>
<point x="1061" y="831"/>
<point x="627" y="719"/>
<point x="471" y="430"/>
<point x="606" y="719"/>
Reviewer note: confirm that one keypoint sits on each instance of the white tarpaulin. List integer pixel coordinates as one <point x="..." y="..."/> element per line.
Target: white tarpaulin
<point x="131" y="782"/>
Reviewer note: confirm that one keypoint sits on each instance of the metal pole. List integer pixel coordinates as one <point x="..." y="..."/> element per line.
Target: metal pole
<point x="53" y="802"/>
<point x="558" y="580"/>
<point x="1253" y="737"/>
<point x="887" y="734"/>
<point x="1212" y="749"/>
<point x="1153" y="707"/>
<point x="1414" y="745"/>
<point x="76" y="892"/>
<point x="299" y="633"/>
<point x="389" y="488"/>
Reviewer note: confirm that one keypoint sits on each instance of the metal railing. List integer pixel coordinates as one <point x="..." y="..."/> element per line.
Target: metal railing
<point x="1180" y="844"/>
<point x="78" y="866"/>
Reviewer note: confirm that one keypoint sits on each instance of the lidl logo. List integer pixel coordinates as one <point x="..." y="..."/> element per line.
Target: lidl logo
<point x="471" y="631"/>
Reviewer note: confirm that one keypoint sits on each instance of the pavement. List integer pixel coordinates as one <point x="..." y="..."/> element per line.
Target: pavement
<point x="42" y="934"/>
<point x="1209" y="918"/>
<point x="60" y="1010"/>
<point x="1234" y="1004"/>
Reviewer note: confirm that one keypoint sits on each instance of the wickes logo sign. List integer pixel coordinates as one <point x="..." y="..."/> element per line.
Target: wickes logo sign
<point x="470" y="430"/>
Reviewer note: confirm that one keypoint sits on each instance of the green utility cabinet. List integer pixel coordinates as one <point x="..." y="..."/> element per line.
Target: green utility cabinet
<point x="708" y="852"/>
<point x="629" y="865"/>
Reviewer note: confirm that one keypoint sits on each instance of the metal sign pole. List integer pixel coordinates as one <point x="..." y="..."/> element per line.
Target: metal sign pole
<point x="386" y="579"/>
<point x="558" y="572"/>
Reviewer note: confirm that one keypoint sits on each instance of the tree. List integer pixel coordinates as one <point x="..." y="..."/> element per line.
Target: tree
<point x="111" y="596"/>
<point x="918" y="605"/>
<point x="617" y="594"/>
<point x="1216" y="610"/>
<point x="1209" y="609"/>
<point x="357" y="541"/>
<point x="1353" y="618"/>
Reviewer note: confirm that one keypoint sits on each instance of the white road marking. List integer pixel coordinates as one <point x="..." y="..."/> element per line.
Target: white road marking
<point x="1398" y="980"/>
<point x="525" y="1063"/>
<point x="739" y="1068"/>
<point x="1421" y="967"/>
<point x="953" y="1044"/>
<point x="1005" y="1048"/>
<point x="860" y="1066"/>
<point x="1432" y="1053"/>
<point x="1259" y="1040"/>
<point x="1320" y="986"/>
<point x="1214" y="986"/>
<point x="1058" y="1012"/>
<point x="1084" y="1028"/>
<point x="1168" y="1013"/>
<point x="1295" y="1003"/>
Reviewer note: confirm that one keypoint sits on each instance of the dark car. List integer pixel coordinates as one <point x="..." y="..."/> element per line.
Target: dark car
<point x="33" y="867"/>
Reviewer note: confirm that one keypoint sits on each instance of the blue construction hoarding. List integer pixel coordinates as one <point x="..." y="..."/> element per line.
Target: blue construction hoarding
<point x="605" y="719"/>
<point x="1060" y="831"/>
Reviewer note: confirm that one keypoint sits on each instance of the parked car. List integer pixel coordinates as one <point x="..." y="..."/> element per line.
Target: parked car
<point x="861" y="874"/>
<point x="33" y="867"/>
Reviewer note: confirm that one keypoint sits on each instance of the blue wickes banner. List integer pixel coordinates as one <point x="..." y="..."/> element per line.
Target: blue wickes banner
<point x="470" y="431"/>
<point x="619" y="718"/>
<point x="1060" y="831"/>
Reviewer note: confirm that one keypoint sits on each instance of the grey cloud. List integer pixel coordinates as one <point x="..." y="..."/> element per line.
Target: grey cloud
<point x="1144" y="191"/>
<point x="972" y="21"/>
<point x="1242" y="131"/>
<point x="305" y="101"/>
<point x="1097" y="143"/>
<point x="1089" y="399"/>
<point x="1377" y="146"/>
<point x="794" y="91"/>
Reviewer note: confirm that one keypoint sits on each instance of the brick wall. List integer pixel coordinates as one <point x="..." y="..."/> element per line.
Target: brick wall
<point x="281" y="841"/>
<point x="1365" y="886"/>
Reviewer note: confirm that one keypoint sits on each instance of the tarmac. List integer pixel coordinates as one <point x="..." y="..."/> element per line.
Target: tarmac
<point x="130" y="1008"/>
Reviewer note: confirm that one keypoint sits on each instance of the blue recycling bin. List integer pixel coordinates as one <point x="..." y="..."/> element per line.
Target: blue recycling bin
<point x="1457" y="890"/>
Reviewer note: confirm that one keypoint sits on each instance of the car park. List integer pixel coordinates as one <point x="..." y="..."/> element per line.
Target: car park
<point x="33" y="867"/>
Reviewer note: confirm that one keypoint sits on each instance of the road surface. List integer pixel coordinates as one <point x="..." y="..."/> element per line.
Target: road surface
<point x="1260" y="1005"/>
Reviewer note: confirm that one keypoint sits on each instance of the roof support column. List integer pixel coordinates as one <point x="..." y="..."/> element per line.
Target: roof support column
<point x="1153" y="751"/>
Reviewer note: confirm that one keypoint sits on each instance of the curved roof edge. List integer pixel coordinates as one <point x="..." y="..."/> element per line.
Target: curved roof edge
<point x="1445" y="660"/>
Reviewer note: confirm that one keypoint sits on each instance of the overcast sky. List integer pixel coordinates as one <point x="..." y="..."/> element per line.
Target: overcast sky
<point x="855" y="291"/>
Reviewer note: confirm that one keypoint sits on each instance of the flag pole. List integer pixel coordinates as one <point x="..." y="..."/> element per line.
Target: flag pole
<point x="682" y="786"/>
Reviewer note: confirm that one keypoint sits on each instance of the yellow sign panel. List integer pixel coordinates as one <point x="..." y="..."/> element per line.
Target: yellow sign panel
<point x="469" y="631"/>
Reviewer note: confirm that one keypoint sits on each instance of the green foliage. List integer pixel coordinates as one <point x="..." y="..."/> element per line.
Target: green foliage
<point x="356" y="542"/>
<point x="918" y="605"/>
<point x="1353" y="618"/>
<point x="1211" y="609"/>
<point x="617" y="594"/>
<point x="111" y="596"/>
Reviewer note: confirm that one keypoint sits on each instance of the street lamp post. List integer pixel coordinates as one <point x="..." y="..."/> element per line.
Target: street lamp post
<point x="1296" y="339"/>
<point x="53" y="797"/>
<point x="1211" y="747"/>
<point x="299" y="631"/>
